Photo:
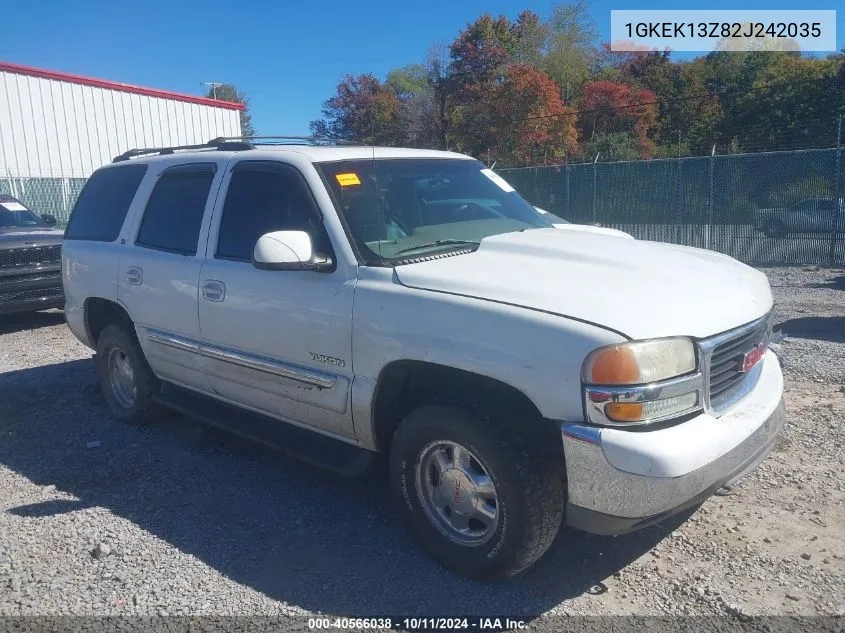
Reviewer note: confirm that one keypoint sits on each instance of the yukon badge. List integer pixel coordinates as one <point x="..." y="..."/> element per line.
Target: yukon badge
<point x="329" y="360"/>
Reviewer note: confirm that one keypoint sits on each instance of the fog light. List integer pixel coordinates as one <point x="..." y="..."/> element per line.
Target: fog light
<point x="653" y="410"/>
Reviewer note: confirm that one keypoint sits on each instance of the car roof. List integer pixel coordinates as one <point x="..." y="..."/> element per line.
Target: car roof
<point x="313" y="153"/>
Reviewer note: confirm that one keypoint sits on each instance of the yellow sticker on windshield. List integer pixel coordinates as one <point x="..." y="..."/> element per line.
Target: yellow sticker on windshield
<point x="345" y="180"/>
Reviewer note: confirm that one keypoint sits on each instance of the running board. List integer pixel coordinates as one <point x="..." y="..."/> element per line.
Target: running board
<point x="308" y="446"/>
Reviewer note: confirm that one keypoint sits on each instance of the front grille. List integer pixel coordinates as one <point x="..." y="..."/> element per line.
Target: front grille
<point x="32" y="256"/>
<point x="36" y="276"/>
<point x="37" y="294"/>
<point x="725" y="367"/>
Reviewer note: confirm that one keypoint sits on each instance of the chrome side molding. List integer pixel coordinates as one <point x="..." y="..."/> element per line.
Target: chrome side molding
<point x="304" y="375"/>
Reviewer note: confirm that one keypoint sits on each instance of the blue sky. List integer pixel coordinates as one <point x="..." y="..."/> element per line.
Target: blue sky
<point x="285" y="55"/>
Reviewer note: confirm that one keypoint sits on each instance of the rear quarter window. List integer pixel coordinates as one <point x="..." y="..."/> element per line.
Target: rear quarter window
<point x="102" y="206"/>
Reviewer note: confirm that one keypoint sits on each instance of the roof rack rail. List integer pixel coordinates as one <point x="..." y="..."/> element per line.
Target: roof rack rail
<point x="217" y="144"/>
<point x="234" y="144"/>
<point x="286" y="140"/>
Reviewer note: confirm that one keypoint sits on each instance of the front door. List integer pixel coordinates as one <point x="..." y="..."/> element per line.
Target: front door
<point x="275" y="341"/>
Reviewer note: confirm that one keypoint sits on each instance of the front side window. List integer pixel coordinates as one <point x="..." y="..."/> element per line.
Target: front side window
<point x="174" y="212"/>
<point x="262" y="198"/>
<point x="400" y="209"/>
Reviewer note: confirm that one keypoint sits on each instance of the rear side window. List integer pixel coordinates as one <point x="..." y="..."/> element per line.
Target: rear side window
<point x="175" y="209"/>
<point x="102" y="206"/>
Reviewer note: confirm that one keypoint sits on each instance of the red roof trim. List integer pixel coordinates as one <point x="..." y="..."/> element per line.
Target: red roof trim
<point x="114" y="85"/>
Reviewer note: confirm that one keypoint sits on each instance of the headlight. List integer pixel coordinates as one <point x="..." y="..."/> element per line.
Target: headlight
<point x="640" y="362"/>
<point x="641" y="382"/>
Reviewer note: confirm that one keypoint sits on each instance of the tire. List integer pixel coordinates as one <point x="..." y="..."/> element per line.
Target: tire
<point x="130" y="397"/>
<point x="773" y="228"/>
<point x="529" y="483"/>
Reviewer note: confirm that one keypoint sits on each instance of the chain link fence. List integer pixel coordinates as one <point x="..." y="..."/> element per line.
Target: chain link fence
<point x="55" y="196"/>
<point x="764" y="208"/>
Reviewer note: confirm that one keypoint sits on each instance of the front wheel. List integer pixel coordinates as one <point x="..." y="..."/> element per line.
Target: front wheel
<point x="482" y="499"/>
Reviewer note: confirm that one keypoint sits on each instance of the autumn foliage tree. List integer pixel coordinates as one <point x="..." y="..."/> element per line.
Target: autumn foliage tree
<point x="362" y="109"/>
<point x="607" y="107"/>
<point x="532" y="124"/>
<point x="534" y="90"/>
<point x="505" y="110"/>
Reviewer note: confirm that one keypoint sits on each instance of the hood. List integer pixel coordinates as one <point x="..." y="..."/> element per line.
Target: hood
<point x="641" y="289"/>
<point x="594" y="229"/>
<point x="21" y="237"/>
<point x="568" y="226"/>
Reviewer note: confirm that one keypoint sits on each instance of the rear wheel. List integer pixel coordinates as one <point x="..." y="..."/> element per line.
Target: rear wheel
<point x="481" y="499"/>
<point x="126" y="379"/>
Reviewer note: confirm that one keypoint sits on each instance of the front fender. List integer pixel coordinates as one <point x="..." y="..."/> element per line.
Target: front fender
<point x="536" y="353"/>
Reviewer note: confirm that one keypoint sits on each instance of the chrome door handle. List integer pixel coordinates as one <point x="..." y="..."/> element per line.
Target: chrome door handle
<point x="134" y="276"/>
<point x="213" y="290"/>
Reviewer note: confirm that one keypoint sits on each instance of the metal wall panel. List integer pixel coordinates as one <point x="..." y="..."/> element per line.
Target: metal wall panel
<point x="51" y="128"/>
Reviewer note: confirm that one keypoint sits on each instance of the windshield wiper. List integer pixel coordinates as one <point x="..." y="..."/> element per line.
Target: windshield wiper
<point x="449" y="242"/>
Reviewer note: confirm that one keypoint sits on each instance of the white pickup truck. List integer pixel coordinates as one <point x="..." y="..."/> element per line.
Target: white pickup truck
<point x="342" y="302"/>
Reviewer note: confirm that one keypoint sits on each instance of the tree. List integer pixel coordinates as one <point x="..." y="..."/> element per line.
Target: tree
<point x="419" y="117"/>
<point x="480" y="55"/>
<point x="228" y="92"/>
<point x="801" y="111"/>
<point x="571" y="48"/>
<point x="482" y="49"/>
<point x="488" y="94"/>
<point x="363" y="109"/>
<point x="530" y="122"/>
<point x="608" y="107"/>
<point x="530" y="39"/>
<point x="612" y="146"/>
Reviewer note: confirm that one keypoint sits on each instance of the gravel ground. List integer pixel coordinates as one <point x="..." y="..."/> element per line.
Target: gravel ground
<point x="102" y="518"/>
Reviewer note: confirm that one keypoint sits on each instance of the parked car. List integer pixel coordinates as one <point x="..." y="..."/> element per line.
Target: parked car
<point x="347" y="302"/>
<point x="812" y="215"/>
<point x="30" y="259"/>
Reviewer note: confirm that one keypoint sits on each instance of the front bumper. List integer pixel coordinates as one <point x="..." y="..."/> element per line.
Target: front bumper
<point x="31" y="289"/>
<point x="622" y="480"/>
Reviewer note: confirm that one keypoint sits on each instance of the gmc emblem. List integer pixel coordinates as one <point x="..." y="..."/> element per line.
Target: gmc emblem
<point x="753" y="357"/>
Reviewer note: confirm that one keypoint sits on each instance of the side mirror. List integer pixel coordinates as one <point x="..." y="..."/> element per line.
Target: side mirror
<point x="289" y="250"/>
<point x="49" y="220"/>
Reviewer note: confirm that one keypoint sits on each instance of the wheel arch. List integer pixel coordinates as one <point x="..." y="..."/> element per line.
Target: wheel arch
<point x="403" y="385"/>
<point x="101" y="312"/>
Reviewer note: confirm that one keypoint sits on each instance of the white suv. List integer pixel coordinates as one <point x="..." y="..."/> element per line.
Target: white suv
<point x="343" y="302"/>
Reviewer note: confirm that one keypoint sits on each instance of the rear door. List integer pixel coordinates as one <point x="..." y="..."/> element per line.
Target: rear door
<point x="91" y="247"/>
<point x="160" y="266"/>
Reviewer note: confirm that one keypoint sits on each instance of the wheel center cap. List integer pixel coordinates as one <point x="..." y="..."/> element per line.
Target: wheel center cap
<point x="458" y="491"/>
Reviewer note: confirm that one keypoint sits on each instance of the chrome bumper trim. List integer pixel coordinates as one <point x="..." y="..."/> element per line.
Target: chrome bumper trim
<point x="596" y="485"/>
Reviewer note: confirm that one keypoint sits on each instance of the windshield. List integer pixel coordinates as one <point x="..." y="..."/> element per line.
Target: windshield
<point x="14" y="214"/>
<point x="399" y="209"/>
